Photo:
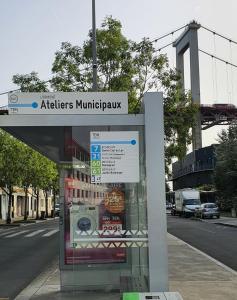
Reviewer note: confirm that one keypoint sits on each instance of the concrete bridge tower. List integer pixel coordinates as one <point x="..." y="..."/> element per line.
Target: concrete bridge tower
<point x="189" y="40"/>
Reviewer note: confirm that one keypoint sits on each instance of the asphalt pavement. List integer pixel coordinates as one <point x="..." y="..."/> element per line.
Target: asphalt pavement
<point x="25" y="251"/>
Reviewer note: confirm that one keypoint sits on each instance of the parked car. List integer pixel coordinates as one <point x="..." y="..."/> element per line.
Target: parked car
<point x="57" y="210"/>
<point x="208" y="210"/>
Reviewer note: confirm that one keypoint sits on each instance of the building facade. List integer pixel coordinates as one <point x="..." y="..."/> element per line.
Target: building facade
<point x="195" y="170"/>
<point x="18" y="203"/>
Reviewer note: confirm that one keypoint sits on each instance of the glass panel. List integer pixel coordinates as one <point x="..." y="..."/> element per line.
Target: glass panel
<point x="105" y="220"/>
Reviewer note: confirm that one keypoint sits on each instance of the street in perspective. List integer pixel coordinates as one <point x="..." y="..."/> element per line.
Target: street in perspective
<point x="25" y="251"/>
<point x="118" y="150"/>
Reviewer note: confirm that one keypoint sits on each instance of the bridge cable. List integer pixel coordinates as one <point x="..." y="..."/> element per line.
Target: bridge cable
<point x="173" y="60"/>
<point x="153" y="41"/>
<point x="213" y="79"/>
<point x="161" y="48"/>
<point x="165" y="35"/>
<point x="215" y="66"/>
<point x="227" y="84"/>
<point x="218" y="58"/>
<point x="220" y="35"/>
<point x="231" y="73"/>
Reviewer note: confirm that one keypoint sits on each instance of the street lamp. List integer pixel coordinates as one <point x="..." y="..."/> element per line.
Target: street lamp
<point x="94" y="47"/>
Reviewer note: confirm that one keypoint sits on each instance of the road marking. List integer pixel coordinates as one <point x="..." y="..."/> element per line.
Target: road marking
<point x="2" y="234"/>
<point x="15" y="234"/>
<point x="50" y="233"/>
<point x="34" y="233"/>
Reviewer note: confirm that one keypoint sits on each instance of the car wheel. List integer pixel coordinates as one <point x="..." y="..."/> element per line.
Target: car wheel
<point x="218" y="217"/>
<point x="202" y="216"/>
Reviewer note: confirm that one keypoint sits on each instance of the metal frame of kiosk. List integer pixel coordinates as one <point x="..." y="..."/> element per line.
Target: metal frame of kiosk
<point x="83" y="277"/>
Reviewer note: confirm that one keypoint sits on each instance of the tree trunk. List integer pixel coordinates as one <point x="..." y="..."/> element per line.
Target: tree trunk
<point x="26" y="213"/>
<point x="54" y="200"/>
<point x="37" y="204"/>
<point x="46" y="205"/>
<point x="9" y="220"/>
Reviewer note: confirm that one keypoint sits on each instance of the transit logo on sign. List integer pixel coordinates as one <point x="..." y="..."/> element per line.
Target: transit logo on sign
<point x="68" y="103"/>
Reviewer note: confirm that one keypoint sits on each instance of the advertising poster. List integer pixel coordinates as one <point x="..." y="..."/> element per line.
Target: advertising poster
<point x="98" y="213"/>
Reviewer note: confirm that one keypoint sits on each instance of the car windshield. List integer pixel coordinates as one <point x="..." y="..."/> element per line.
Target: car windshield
<point x="210" y="206"/>
<point x="191" y="202"/>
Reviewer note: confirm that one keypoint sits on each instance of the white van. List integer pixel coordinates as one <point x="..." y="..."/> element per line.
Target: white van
<point x="187" y="201"/>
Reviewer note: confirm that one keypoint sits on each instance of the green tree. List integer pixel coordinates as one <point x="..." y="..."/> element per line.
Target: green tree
<point x="27" y="174"/>
<point x="54" y="184"/>
<point x="226" y="168"/>
<point x="50" y="176"/>
<point x="10" y="167"/>
<point x="123" y="65"/>
<point x="37" y="180"/>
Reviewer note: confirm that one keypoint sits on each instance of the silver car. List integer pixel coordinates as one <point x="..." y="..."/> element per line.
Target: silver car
<point x="208" y="210"/>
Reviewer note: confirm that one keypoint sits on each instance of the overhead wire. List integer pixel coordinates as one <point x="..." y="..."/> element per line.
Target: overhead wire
<point x="10" y="91"/>
<point x="46" y="81"/>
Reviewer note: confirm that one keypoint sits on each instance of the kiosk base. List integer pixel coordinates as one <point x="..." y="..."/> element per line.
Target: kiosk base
<point x="152" y="296"/>
<point x="108" y="280"/>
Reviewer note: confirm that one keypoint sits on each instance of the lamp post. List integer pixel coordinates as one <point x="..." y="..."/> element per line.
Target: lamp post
<point x="94" y="47"/>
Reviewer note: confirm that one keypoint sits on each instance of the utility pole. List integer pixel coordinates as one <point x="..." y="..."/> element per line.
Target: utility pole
<point x="94" y="47"/>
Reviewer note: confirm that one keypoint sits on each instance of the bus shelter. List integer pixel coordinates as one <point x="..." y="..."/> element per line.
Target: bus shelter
<point x="112" y="185"/>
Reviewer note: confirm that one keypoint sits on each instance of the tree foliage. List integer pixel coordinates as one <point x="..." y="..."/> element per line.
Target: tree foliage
<point x="123" y="65"/>
<point x="21" y="166"/>
<point x="10" y="167"/>
<point x="226" y="168"/>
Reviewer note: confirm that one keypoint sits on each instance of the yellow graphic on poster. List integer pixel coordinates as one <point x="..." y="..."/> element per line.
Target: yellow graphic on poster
<point x="114" y="201"/>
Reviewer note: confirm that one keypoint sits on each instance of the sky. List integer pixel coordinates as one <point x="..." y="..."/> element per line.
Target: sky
<point x="32" y="31"/>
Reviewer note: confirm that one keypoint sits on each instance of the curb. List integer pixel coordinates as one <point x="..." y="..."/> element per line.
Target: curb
<point x="27" y="223"/>
<point x="227" y="225"/>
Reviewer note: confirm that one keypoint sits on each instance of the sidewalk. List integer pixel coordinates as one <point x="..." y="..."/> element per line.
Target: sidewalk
<point x="192" y="273"/>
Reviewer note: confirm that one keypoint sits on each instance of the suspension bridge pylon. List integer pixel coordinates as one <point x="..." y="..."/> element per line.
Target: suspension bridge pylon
<point x="189" y="40"/>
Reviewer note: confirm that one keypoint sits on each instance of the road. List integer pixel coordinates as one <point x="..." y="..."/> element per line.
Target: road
<point x="218" y="241"/>
<point x="25" y="252"/>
